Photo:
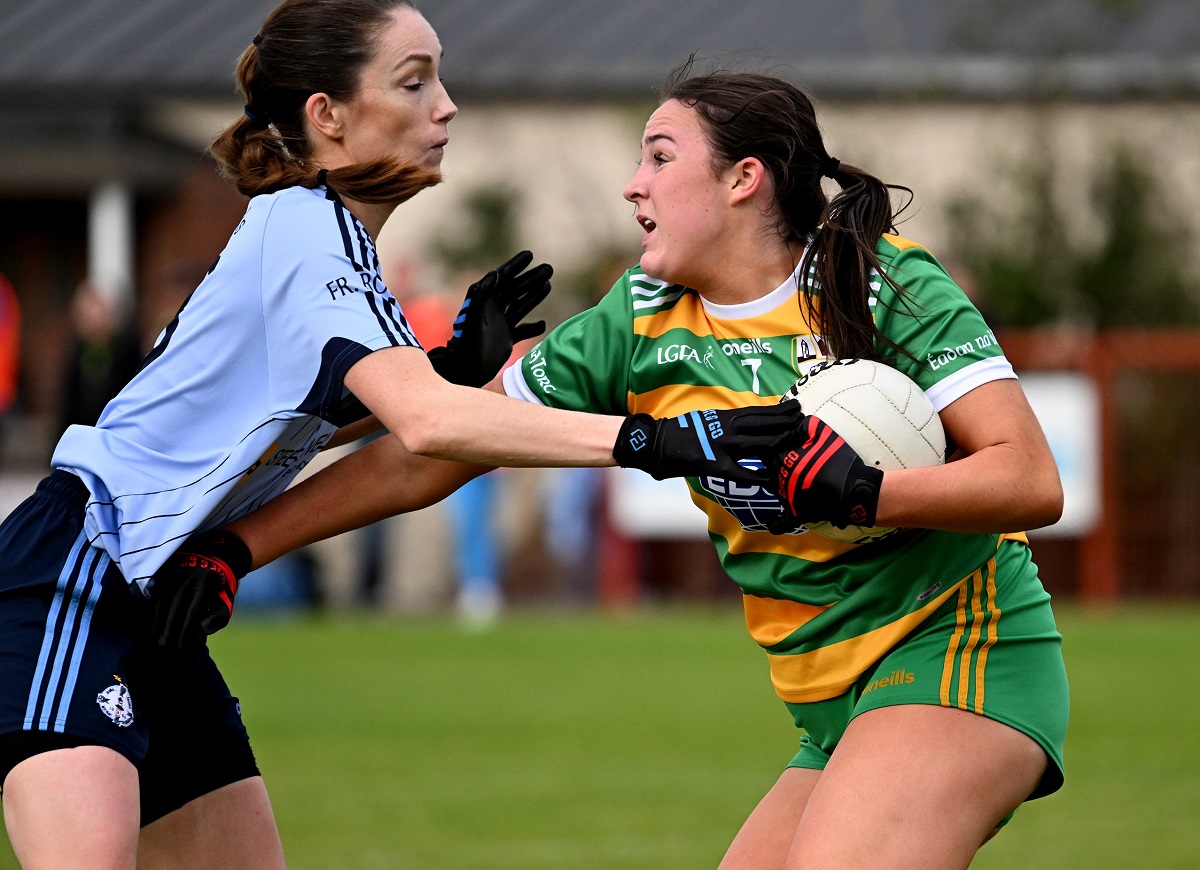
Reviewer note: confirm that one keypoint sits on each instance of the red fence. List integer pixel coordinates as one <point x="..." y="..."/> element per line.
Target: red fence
<point x="1148" y="381"/>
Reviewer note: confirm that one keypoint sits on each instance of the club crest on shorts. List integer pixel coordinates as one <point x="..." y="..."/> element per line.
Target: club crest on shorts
<point x="116" y="703"/>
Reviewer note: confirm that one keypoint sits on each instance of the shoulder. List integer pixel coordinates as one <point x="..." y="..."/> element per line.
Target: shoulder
<point x="292" y="208"/>
<point x="297" y="221"/>
<point x="910" y="264"/>
<point x="645" y="295"/>
<point x="891" y="248"/>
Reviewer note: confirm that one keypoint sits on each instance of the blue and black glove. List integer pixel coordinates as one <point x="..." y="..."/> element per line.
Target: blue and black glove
<point x="194" y="589"/>
<point x="818" y="477"/>
<point x="707" y="443"/>
<point x="489" y="322"/>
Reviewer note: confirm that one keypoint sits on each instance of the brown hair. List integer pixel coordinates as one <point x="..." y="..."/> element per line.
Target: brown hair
<point x="307" y="47"/>
<point x="755" y="115"/>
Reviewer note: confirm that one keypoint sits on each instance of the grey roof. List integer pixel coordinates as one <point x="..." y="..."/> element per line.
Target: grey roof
<point x="122" y="50"/>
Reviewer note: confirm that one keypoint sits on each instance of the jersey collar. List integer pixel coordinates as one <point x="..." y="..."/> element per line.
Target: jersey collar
<point x="761" y="305"/>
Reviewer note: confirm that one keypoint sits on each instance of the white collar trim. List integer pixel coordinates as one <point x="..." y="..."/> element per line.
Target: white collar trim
<point x="756" y="307"/>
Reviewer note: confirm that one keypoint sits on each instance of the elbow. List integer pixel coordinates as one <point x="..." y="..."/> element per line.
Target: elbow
<point x="417" y="439"/>
<point x="1047" y="507"/>
<point x="425" y="434"/>
<point x="421" y="439"/>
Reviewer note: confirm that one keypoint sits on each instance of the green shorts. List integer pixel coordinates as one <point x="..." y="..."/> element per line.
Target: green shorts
<point x="992" y="649"/>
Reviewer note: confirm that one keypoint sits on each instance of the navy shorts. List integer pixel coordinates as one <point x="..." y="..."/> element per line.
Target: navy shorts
<point x="78" y="665"/>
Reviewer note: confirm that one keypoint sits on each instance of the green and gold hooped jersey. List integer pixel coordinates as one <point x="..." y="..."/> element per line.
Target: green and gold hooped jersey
<point x="823" y="610"/>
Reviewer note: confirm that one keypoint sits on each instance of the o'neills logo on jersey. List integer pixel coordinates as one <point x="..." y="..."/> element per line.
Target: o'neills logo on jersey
<point x="895" y="678"/>
<point x="673" y="353"/>
<point x="749" y="347"/>
<point x="537" y="369"/>
<point x="808" y="349"/>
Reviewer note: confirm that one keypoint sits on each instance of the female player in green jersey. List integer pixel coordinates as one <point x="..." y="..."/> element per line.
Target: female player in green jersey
<point x="925" y="669"/>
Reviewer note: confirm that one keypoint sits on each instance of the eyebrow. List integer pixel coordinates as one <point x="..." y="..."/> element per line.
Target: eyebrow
<point x="652" y="139"/>
<point x="419" y="57"/>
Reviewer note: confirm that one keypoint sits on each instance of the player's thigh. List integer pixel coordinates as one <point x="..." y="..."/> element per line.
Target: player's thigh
<point x="73" y="807"/>
<point x="198" y="742"/>
<point x="915" y="786"/>
<point x="766" y="836"/>
<point x="232" y="828"/>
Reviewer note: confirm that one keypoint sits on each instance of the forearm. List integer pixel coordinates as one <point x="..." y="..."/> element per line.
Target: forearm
<point x="368" y="425"/>
<point x="379" y="480"/>
<point x="998" y="489"/>
<point x="494" y="430"/>
<point x="434" y="418"/>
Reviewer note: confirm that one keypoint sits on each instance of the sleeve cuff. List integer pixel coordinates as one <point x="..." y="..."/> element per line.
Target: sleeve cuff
<point x="964" y="380"/>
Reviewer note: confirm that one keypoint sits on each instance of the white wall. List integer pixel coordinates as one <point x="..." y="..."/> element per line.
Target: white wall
<point x="570" y="162"/>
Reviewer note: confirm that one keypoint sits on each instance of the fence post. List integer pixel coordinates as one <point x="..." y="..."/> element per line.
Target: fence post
<point x="1099" y="575"/>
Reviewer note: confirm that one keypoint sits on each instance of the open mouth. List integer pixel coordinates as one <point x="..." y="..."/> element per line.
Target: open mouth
<point x="647" y="224"/>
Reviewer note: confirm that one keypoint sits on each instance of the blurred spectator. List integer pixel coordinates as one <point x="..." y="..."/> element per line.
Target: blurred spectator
<point x="104" y="355"/>
<point x="472" y="511"/>
<point x="571" y="498"/>
<point x="10" y="352"/>
<point x="471" y="508"/>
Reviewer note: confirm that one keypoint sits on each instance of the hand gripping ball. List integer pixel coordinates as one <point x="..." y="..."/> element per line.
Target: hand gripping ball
<point x="882" y="414"/>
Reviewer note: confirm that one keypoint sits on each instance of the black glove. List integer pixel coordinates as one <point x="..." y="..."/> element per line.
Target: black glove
<point x="193" y="591"/>
<point x="819" y="477"/>
<point x="489" y="322"/>
<point x="707" y="443"/>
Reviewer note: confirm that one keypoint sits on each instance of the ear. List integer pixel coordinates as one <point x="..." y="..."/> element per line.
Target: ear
<point x="324" y="115"/>
<point x="746" y="178"/>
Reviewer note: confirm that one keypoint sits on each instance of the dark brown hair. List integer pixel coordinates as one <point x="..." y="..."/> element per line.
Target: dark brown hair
<point x="307" y="47"/>
<point x="747" y="114"/>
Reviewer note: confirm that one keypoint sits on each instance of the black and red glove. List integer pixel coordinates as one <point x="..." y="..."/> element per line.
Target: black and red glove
<point x="819" y="477"/>
<point x="707" y="443"/>
<point x="489" y="322"/>
<point x="194" y="589"/>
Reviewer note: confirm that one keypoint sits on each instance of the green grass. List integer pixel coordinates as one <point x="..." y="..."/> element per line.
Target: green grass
<point x="642" y="741"/>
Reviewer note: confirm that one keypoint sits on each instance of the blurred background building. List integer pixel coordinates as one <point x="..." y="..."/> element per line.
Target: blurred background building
<point x="1053" y="148"/>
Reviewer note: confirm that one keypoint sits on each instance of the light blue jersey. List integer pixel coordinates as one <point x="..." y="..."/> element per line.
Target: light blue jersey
<point x="243" y="388"/>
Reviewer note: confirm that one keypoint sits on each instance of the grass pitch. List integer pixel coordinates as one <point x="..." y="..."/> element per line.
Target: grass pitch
<point x="642" y="741"/>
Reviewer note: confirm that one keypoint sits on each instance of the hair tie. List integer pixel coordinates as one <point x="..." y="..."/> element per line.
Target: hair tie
<point x="257" y="40"/>
<point x="321" y="175"/>
<point x="830" y="167"/>
<point x="253" y="115"/>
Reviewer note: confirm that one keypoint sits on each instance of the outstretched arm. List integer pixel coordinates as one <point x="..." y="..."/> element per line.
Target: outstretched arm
<point x="376" y="481"/>
<point x="441" y="435"/>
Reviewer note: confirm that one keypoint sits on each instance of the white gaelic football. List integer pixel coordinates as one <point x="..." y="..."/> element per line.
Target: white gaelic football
<point x="882" y="414"/>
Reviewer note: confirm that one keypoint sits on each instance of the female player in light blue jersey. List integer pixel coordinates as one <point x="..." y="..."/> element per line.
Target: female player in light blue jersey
<point x="113" y="716"/>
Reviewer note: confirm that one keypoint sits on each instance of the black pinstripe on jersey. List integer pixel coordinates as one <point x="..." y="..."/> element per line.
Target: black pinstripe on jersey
<point x="360" y="250"/>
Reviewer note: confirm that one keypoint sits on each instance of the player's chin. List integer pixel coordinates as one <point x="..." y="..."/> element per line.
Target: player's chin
<point x="653" y="265"/>
<point x="429" y="159"/>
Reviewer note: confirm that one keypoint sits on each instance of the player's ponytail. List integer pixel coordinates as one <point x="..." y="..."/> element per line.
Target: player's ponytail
<point x="843" y="263"/>
<point x="753" y="115"/>
<point x="307" y="47"/>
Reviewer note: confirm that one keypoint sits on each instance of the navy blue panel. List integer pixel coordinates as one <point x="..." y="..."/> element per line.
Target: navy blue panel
<point x="328" y="398"/>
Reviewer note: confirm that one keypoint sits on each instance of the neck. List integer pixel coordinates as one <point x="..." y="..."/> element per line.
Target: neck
<point x="371" y="215"/>
<point x="739" y="279"/>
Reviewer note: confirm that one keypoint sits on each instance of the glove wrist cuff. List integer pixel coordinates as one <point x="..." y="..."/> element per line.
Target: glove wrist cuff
<point x="635" y="442"/>
<point x="862" y="497"/>
<point x="449" y="367"/>
<point x="221" y="546"/>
